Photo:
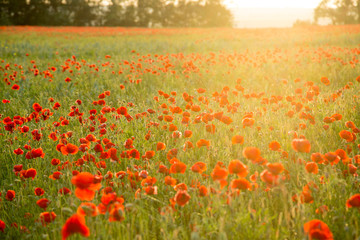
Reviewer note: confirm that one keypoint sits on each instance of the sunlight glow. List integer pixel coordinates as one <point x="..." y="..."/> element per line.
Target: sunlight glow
<point x="105" y="2"/>
<point x="271" y="4"/>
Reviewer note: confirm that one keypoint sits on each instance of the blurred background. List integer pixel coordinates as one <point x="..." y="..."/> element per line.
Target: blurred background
<point x="179" y="13"/>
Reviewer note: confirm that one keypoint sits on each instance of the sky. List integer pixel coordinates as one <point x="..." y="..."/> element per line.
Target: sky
<point x="272" y="3"/>
<point x="267" y="13"/>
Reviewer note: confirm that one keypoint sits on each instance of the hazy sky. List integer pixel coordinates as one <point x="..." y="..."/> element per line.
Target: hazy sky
<point x="272" y="3"/>
<point x="263" y="3"/>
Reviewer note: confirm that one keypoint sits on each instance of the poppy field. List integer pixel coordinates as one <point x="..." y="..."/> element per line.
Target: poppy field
<point x="115" y="133"/>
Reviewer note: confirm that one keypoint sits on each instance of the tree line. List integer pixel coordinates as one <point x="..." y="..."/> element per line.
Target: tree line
<point x="132" y="13"/>
<point x="338" y="11"/>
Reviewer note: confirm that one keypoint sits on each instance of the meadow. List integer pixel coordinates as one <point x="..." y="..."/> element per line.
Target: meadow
<point x="121" y="133"/>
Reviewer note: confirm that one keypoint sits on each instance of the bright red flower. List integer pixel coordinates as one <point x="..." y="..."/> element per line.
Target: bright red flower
<point x="86" y="185"/>
<point x="43" y="203"/>
<point x="2" y="226"/>
<point x="75" y="224"/>
<point x="353" y="201"/>
<point x="182" y="198"/>
<point x="10" y="195"/>
<point x="47" y="217"/>
<point x="317" y="229"/>
<point x="39" y="191"/>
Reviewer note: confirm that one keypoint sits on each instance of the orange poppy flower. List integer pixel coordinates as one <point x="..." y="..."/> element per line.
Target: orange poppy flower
<point x="116" y="213"/>
<point x="201" y="90"/>
<point x="210" y="128"/>
<point x="182" y="198"/>
<point x="178" y="167"/>
<point x="160" y="146"/>
<point x="274" y="146"/>
<point x="248" y="122"/>
<point x="187" y="133"/>
<point x="317" y="229"/>
<point x="195" y="108"/>
<point x="199" y="167"/>
<point x="170" y="181"/>
<point x="168" y="118"/>
<point x="350" y="124"/>
<point x="202" y="143"/>
<point x="332" y="158"/>
<point x="163" y="169"/>
<point x="317" y="157"/>
<point x="312" y="167"/>
<point x="180" y="186"/>
<point x="251" y="153"/>
<point x="47" y="217"/>
<point x="275" y="168"/>
<point x="270" y="179"/>
<point x="75" y="224"/>
<point x="122" y="111"/>
<point x="113" y="154"/>
<point x="325" y="81"/>
<point x="69" y="149"/>
<point x="87" y="209"/>
<point x="301" y="145"/>
<point x="134" y="153"/>
<point x="86" y="185"/>
<point x="203" y="191"/>
<point x="219" y="173"/>
<point x="188" y="145"/>
<point x="353" y="201"/>
<point x="346" y="135"/>
<point x="241" y="184"/>
<point x="237" y="139"/>
<point x="343" y="156"/>
<point x="306" y="197"/>
<point x="322" y="209"/>
<point x="225" y="119"/>
<point x="239" y="168"/>
<point x="352" y="169"/>
<point x="149" y="154"/>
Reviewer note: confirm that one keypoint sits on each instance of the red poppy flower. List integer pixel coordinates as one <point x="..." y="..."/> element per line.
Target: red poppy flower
<point x="10" y="195"/>
<point x="353" y="201"/>
<point x="317" y="229"/>
<point x="15" y="87"/>
<point x="182" y="198"/>
<point x="75" y="224"/>
<point x="47" y="217"/>
<point x="86" y="185"/>
<point x="69" y="149"/>
<point x="301" y="145"/>
<point x="39" y="191"/>
<point x="2" y="226"/>
<point x="43" y="203"/>
<point x="238" y="167"/>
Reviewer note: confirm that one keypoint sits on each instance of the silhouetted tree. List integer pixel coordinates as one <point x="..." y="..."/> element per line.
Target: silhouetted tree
<point x="113" y="14"/>
<point x="338" y="11"/>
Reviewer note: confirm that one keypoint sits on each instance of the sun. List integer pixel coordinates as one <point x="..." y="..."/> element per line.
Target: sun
<point x="105" y="2"/>
<point x="271" y="4"/>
